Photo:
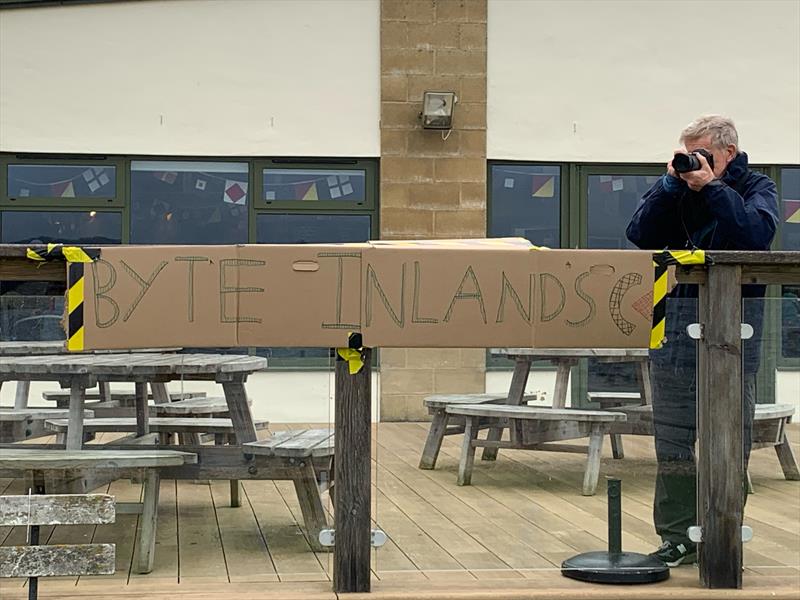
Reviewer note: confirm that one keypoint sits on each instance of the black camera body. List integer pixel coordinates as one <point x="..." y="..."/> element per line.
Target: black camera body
<point x="683" y="163"/>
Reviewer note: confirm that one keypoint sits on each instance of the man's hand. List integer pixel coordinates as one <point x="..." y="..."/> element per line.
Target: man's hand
<point x="670" y="169"/>
<point x="697" y="180"/>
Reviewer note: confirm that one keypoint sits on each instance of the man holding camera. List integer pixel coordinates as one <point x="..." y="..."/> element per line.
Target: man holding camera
<point x="708" y="199"/>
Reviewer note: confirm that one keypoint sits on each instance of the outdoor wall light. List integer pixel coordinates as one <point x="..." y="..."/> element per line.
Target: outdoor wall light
<point x="437" y="110"/>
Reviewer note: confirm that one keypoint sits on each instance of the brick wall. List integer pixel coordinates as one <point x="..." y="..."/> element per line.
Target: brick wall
<point x="431" y="187"/>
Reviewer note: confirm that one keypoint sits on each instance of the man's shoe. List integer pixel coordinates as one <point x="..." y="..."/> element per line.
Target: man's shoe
<point x="673" y="554"/>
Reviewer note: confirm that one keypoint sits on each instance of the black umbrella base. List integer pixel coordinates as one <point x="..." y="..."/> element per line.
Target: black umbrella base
<point x="615" y="567"/>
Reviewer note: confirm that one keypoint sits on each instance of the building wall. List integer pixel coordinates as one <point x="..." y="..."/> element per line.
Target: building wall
<point x="204" y="77"/>
<point x="617" y="80"/>
<point x="432" y="185"/>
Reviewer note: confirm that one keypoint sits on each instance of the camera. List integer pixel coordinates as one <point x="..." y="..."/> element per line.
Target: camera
<point x="683" y="163"/>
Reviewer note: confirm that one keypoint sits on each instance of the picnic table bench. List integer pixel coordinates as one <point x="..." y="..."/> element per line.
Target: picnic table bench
<point x="17" y="425"/>
<point x="156" y="424"/>
<point x="42" y="465"/>
<point x="303" y="447"/>
<point x="443" y="423"/>
<point x="536" y="428"/>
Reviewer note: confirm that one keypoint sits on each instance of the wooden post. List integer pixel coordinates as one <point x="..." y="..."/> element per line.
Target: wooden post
<point x="351" y="556"/>
<point x="720" y="470"/>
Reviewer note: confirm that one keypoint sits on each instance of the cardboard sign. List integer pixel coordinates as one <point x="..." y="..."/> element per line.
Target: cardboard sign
<point x="437" y="293"/>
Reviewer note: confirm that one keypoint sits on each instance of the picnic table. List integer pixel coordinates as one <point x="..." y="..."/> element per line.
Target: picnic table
<point x="81" y="371"/>
<point x="32" y="348"/>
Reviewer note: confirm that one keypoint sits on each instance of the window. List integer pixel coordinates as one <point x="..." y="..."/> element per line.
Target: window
<point x="316" y="186"/>
<point x="272" y="228"/>
<point x="176" y="202"/>
<point x="611" y="200"/>
<point x="33" y="182"/>
<point x="790" y="240"/>
<point x="526" y="202"/>
<point x="305" y="185"/>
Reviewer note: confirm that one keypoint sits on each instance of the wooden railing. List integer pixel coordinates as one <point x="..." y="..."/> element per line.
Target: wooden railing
<point x="720" y="450"/>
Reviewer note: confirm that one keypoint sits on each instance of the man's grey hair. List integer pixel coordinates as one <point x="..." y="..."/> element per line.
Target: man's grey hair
<point x="721" y="129"/>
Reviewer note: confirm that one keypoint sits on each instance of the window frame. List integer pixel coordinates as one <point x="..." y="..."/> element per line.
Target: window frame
<point x="55" y="203"/>
<point x="371" y="184"/>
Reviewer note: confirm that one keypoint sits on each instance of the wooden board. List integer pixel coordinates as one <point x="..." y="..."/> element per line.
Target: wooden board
<point x="50" y="561"/>
<point x="157" y="424"/>
<point x="94" y="459"/>
<point x="62" y="509"/>
<point x="535" y="412"/>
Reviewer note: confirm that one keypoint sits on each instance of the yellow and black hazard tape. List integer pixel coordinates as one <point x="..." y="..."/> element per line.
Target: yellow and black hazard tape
<point x="352" y="354"/>
<point x="75" y="297"/>
<point x="661" y="262"/>
<point x="76" y="259"/>
<point x="72" y="254"/>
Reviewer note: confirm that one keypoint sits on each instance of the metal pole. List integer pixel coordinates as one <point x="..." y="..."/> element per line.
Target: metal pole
<point x="614" y="516"/>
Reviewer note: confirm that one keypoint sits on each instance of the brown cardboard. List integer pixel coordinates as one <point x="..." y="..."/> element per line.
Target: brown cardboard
<point x="310" y="294"/>
<point x="460" y="294"/>
<point x="606" y="302"/>
<point x="159" y="296"/>
<point x="426" y="293"/>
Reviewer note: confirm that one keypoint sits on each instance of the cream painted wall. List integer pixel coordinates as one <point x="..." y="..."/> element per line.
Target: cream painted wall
<point x="224" y="77"/>
<point x="617" y="80"/>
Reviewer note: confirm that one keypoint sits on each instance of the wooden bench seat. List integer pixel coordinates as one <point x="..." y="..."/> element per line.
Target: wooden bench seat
<point x="19" y="424"/>
<point x="535" y="428"/>
<point x="128" y="399"/>
<point x="443" y="424"/>
<point x="157" y="424"/>
<point x="201" y="405"/>
<point x="304" y="447"/>
<point x="41" y="464"/>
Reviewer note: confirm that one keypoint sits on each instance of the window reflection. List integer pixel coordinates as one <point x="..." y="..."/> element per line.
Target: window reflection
<point x="611" y="202"/>
<point x="342" y="185"/>
<point x="182" y="202"/>
<point x="74" y="227"/>
<point x="62" y="181"/>
<point x="308" y="229"/>
<point x="525" y="202"/>
<point x="790" y="240"/>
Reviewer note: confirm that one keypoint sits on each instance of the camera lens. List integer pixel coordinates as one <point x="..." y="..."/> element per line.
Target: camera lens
<point x="683" y="163"/>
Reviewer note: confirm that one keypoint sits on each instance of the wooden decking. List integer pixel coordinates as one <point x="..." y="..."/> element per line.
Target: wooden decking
<point x="504" y="536"/>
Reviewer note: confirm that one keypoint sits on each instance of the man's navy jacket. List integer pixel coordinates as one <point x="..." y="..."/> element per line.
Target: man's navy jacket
<point x="737" y="212"/>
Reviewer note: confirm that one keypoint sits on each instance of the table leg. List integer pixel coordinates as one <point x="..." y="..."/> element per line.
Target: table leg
<point x="105" y="391"/>
<point x="21" y="397"/>
<point x="142" y="424"/>
<point x="160" y="393"/>
<point x="77" y="396"/>
<point x="242" y="420"/>
<point x="562" y="381"/>
<point x="516" y="392"/>
<point x="645" y="386"/>
<point x="243" y="427"/>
